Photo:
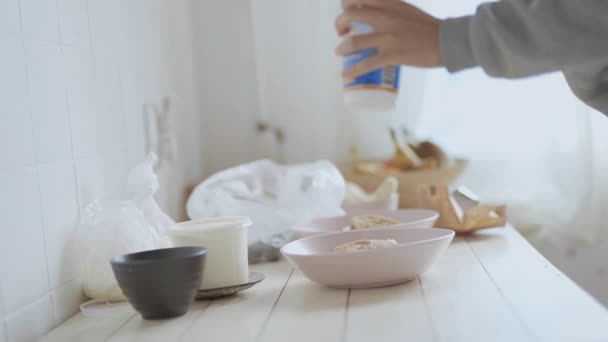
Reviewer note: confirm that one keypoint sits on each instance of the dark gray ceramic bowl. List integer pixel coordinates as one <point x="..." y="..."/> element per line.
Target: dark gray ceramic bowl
<point x="161" y="283"/>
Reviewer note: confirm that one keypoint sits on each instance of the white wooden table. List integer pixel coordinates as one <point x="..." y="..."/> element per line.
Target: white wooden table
<point x="491" y="286"/>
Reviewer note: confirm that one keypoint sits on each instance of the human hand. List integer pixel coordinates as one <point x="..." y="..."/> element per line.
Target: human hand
<point x="403" y="34"/>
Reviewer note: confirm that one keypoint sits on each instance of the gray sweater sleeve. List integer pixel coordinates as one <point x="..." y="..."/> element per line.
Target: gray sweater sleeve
<point x="518" y="38"/>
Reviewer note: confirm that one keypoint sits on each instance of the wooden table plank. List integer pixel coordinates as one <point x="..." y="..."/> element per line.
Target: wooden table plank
<point x="241" y="318"/>
<point x="388" y="314"/>
<point x="552" y="306"/>
<point x="464" y="303"/>
<point x="138" y="329"/>
<point x="81" y="328"/>
<point x="307" y="312"/>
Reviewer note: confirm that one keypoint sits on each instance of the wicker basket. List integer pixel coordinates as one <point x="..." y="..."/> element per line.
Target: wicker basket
<point x="408" y="180"/>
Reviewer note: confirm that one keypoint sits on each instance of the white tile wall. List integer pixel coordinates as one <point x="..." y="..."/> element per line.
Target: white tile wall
<point x="90" y="180"/>
<point x="10" y="20"/>
<point x="101" y="178"/>
<point x="30" y="322"/>
<point x="84" y="121"/>
<point x="59" y="217"/>
<point x="14" y="99"/>
<point x="40" y="19"/>
<point x="48" y="101"/>
<point x="74" y="22"/>
<point x="66" y="300"/>
<point x="23" y="268"/>
<point x="108" y="103"/>
<point x="72" y="91"/>
<point x="2" y="330"/>
<point x="103" y="16"/>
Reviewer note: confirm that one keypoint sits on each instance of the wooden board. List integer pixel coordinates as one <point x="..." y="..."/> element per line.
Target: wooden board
<point x="138" y="329"/>
<point x="464" y="302"/>
<point x="489" y="286"/>
<point x="242" y="317"/>
<point x="81" y="328"/>
<point x="552" y="306"/>
<point x="307" y="312"/>
<point x="389" y="313"/>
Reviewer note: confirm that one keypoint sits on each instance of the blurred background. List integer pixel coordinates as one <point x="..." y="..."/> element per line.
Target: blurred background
<point x="89" y="87"/>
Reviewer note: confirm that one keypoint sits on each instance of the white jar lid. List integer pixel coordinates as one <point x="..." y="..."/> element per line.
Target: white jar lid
<point x="202" y="226"/>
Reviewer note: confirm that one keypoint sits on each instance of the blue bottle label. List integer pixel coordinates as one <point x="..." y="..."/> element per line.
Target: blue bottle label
<point x="386" y="78"/>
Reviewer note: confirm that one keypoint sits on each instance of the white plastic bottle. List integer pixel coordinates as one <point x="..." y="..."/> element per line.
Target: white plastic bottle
<point x="375" y="91"/>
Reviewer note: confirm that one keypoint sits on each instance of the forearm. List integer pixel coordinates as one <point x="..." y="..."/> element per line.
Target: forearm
<point x="517" y="38"/>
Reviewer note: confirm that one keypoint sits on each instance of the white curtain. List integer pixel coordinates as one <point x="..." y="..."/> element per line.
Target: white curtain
<point x="531" y="143"/>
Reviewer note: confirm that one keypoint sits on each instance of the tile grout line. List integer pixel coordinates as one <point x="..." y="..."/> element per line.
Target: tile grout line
<point x="502" y="295"/>
<point x="67" y="99"/>
<point x="48" y="294"/>
<point x="44" y="163"/>
<point x="27" y="306"/>
<point x="86" y="4"/>
<point x="274" y="306"/>
<point x="70" y="127"/>
<point x="76" y="187"/>
<point x="43" y="232"/>
<point x="122" y="100"/>
<point x="2" y="310"/>
<point x="20" y="17"/>
<point x="2" y="315"/>
<point x="427" y="308"/>
<point x="59" y="19"/>
<point x="38" y="164"/>
<point x="4" y="332"/>
<point x="30" y="110"/>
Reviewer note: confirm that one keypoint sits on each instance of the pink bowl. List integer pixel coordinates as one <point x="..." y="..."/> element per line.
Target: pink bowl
<point x="409" y="218"/>
<point x="415" y="253"/>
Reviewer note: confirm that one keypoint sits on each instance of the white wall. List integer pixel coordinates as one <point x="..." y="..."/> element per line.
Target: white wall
<point x="74" y="75"/>
<point x="228" y="82"/>
<point x="274" y="61"/>
<point x="262" y="61"/>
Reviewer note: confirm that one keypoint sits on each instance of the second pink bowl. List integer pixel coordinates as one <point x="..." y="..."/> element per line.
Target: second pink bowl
<point x="408" y="218"/>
